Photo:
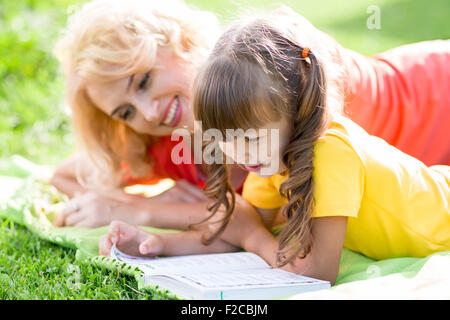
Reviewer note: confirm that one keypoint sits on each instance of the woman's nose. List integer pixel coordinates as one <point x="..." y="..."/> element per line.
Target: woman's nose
<point x="150" y="111"/>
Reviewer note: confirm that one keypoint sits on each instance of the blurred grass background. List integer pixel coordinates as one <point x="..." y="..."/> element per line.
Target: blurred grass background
<point x="34" y="124"/>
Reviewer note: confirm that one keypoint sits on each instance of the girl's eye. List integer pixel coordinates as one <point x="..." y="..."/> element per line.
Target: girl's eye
<point x="144" y="81"/>
<point x="250" y="140"/>
<point x="127" y="112"/>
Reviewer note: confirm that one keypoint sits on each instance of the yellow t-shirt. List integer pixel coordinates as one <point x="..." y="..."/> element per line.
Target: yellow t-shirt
<point x="396" y="205"/>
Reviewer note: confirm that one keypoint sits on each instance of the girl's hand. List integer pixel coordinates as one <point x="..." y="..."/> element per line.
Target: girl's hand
<point x="130" y="240"/>
<point x="94" y="210"/>
<point x="134" y="241"/>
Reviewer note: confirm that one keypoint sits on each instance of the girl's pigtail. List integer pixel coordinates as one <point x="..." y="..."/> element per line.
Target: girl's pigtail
<point x="309" y="124"/>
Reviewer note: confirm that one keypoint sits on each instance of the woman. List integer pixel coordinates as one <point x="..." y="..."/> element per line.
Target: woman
<point x="129" y="67"/>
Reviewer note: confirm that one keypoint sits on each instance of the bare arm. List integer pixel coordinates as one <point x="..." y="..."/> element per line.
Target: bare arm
<point x="323" y="260"/>
<point x="137" y="242"/>
<point x="247" y="230"/>
<point x="64" y="176"/>
<point x="94" y="210"/>
<point x="269" y="217"/>
<point x="176" y="208"/>
<point x="64" y="179"/>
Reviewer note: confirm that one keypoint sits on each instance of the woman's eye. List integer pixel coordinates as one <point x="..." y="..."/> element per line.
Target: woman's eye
<point x="144" y="81"/>
<point x="127" y="113"/>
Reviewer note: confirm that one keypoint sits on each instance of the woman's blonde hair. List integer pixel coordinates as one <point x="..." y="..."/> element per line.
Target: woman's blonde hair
<point x="255" y="75"/>
<point x="107" y="40"/>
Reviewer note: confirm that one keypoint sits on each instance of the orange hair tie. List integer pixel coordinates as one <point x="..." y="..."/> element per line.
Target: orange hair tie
<point x="305" y="52"/>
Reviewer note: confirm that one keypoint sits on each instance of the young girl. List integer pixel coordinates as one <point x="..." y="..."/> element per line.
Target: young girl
<point x="338" y="185"/>
<point x="129" y="66"/>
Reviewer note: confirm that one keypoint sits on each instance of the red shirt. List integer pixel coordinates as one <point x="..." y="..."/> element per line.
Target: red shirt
<point x="163" y="166"/>
<point x="403" y="96"/>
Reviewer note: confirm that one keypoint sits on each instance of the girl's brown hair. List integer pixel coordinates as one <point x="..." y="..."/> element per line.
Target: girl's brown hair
<point x="255" y="75"/>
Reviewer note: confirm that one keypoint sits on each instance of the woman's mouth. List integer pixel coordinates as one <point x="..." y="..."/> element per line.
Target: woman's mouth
<point x="172" y="115"/>
<point x="253" y="168"/>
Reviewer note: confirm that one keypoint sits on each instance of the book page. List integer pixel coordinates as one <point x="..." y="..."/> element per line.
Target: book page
<point x="246" y="279"/>
<point x="193" y="263"/>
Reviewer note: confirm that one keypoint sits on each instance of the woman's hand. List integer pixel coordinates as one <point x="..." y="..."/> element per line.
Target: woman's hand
<point x="137" y="242"/>
<point x="92" y="210"/>
<point x="183" y="191"/>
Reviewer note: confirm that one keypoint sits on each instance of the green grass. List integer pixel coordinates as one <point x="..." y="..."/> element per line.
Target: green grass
<point x="33" y="122"/>
<point x="34" y="269"/>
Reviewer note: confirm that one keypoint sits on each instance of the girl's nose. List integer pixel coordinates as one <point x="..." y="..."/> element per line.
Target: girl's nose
<point x="150" y="111"/>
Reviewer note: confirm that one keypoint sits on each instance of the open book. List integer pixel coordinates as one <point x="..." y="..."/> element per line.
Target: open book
<point x="240" y="275"/>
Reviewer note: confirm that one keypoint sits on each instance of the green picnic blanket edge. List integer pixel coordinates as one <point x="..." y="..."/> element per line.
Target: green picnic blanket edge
<point x="19" y="173"/>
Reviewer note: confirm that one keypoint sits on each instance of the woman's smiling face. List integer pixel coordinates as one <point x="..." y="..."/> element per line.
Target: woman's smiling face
<point x="155" y="102"/>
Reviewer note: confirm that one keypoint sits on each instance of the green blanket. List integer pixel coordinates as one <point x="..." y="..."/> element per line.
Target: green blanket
<point x="23" y="197"/>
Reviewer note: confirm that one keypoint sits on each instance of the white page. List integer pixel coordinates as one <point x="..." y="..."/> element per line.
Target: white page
<point x="246" y="279"/>
<point x="193" y="263"/>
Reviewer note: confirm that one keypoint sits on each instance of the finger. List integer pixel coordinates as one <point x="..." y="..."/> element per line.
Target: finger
<point x="104" y="245"/>
<point x="71" y="206"/>
<point x="121" y="232"/>
<point x="60" y="219"/>
<point x="74" y="218"/>
<point x="152" y="246"/>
